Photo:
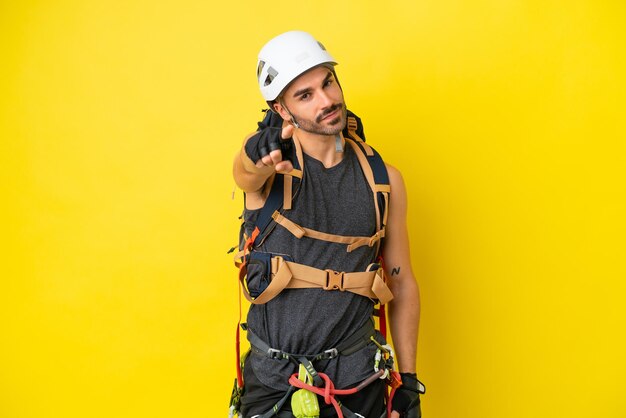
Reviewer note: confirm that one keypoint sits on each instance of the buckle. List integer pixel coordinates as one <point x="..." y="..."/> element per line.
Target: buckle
<point x="352" y="124"/>
<point x="275" y="354"/>
<point x="373" y="239"/>
<point x="334" y="280"/>
<point x="332" y="353"/>
<point x="421" y="388"/>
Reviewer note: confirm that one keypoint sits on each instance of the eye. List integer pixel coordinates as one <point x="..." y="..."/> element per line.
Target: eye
<point x="305" y="96"/>
<point x="328" y="82"/>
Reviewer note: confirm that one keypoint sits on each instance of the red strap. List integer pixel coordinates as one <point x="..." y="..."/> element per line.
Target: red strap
<point x="246" y="247"/>
<point x="237" y="344"/>
<point x="251" y="240"/>
<point x="382" y="317"/>
<point x="382" y="321"/>
<point x="394" y="382"/>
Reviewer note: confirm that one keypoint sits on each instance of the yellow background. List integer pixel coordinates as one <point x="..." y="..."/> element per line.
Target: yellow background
<point x="118" y="124"/>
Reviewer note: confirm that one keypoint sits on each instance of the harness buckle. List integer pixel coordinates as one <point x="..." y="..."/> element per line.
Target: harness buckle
<point x="334" y="280"/>
<point x="330" y="354"/>
<point x="352" y="124"/>
<point x="275" y="354"/>
<point x="373" y="239"/>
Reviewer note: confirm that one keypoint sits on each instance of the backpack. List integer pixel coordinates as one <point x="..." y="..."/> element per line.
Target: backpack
<point x="262" y="275"/>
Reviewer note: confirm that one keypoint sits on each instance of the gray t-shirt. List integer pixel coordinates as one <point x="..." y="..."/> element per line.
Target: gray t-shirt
<point x="337" y="200"/>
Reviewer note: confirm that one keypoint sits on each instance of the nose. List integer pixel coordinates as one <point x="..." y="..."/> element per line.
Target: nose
<point x="325" y="99"/>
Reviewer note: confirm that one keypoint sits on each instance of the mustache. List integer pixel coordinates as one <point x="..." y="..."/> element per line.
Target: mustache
<point x="328" y="111"/>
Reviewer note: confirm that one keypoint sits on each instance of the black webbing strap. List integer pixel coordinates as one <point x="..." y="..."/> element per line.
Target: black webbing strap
<point x="317" y="380"/>
<point x="353" y="343"/>
<point x="274" y="410"/>
<point x="273" y="202"/>
<point x="381" y="176"/>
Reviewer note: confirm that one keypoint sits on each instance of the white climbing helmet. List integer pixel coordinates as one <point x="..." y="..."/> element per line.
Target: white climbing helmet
<point x="286" y="57"/>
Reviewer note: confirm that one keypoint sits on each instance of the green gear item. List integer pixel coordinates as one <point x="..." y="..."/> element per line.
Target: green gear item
<point x="304" y="403"/>
<point x="235" y="400"/>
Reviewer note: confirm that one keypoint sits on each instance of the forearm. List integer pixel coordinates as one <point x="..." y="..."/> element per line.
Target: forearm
<point x="247" y="175"/>
<point x="404" y="315"/>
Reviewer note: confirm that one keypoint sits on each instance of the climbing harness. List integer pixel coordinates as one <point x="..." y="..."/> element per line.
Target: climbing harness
<point x="354" y="343"/>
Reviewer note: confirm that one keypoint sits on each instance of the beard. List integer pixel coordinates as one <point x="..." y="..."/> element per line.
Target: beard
<point x="321" y="127"/>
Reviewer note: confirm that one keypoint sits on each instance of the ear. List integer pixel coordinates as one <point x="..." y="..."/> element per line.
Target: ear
<point x="278" y="108"/>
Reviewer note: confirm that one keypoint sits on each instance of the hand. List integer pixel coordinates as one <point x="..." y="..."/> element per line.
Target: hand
<point x="266" y="147"/>
<point x="406" y="400"/>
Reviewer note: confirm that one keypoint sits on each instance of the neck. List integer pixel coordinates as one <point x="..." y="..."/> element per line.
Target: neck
<point x="321" y="147"/>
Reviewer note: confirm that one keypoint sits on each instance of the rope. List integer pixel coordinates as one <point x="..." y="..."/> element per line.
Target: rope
<point x="328" y="391"/>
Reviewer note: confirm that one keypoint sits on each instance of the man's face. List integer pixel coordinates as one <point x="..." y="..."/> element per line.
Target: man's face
<point x="315" y="101"/>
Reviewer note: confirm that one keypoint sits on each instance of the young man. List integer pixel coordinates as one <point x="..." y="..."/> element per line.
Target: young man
<point x="330" y="229"/>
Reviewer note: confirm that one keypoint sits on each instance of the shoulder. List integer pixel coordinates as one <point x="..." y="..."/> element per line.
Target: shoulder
<point x="396" y="182"/>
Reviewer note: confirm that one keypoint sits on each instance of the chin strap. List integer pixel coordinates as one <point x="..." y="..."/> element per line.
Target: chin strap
<point x="338" y="144"/>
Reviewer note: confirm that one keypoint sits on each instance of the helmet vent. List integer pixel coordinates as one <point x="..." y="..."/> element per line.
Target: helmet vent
<point x="260" y="68"/>
<point x="284" y="58"/>
<point x="271" y="74"/>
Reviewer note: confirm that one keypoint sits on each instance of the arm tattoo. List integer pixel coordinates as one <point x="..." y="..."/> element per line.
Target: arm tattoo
<point x="395" y="270"/>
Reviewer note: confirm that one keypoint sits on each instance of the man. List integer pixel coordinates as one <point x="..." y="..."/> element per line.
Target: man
<point x="321" y="229"/>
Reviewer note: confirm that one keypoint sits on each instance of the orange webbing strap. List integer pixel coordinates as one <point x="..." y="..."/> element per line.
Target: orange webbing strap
<point x="299" y="157"/>
<point x="352" y="127"/>
<point x="369" y="176"/>
<point x="239" y="259"/>
<point x="288" y="186"/>
<point x="288" y="176"/>
<point x="352" y="242"/>
<point x="382" y="316"/>
<point x="290" y="275"/>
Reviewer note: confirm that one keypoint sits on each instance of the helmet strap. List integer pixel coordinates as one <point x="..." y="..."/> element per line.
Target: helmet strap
<point x="338" y="144"/>
<point x="293" y="118"/>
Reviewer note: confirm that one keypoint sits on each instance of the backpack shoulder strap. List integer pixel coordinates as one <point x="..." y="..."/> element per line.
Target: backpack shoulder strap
<point x="377" y="177"/>
<point x="283" y="189"/>
<point x="372" y="165"/>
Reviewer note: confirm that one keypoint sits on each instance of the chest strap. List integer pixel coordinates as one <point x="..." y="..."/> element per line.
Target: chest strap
<point x="290" y="275"/>
<point x="351" y="242"/>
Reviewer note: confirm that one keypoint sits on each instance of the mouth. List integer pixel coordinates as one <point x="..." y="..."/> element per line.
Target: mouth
<point x="334" y="112"/>
<point x="331" y="115"/>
